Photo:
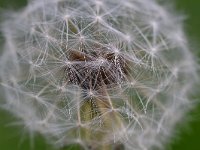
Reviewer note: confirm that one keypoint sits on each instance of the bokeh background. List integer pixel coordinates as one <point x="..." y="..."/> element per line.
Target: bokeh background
<point x="13" y="137"/>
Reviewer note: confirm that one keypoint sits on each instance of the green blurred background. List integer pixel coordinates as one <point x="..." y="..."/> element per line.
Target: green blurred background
<point x="188" y="135"/>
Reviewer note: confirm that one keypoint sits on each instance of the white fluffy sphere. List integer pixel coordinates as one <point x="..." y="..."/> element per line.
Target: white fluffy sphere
<point x="97" y="72"/>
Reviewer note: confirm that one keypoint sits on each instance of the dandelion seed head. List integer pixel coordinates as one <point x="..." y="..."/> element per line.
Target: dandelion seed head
<point x="97" y="72"/>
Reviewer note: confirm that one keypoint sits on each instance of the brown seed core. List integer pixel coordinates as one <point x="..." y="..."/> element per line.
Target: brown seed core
<point x="96" y="69"/>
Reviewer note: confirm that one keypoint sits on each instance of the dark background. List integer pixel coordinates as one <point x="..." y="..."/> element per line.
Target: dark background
<point x="188" y="135"/>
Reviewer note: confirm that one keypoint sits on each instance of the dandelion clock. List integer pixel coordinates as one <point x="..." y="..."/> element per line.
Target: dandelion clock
<point x="103" y="74"/>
